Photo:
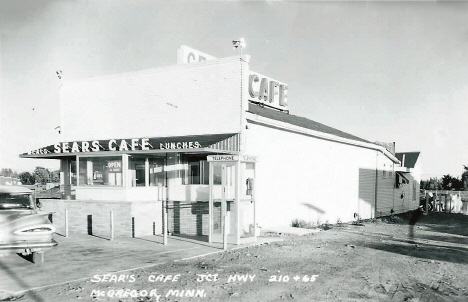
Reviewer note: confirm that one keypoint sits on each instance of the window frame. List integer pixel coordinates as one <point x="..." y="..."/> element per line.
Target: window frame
<point x="81" y="159"/>
<point x="203" y="169"/>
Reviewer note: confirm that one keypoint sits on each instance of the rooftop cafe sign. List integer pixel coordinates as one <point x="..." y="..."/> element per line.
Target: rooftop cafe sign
<point x="187" y="54"/>
<point x="262" y="90"/>
<point x="267" y="91"/>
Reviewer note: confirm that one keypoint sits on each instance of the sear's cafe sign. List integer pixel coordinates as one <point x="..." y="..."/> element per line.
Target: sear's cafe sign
<point x="262" y="90"/>
<point x="134" y="144"/>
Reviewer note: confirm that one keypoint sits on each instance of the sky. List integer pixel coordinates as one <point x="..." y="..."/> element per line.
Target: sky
<point x="383" y="71"/>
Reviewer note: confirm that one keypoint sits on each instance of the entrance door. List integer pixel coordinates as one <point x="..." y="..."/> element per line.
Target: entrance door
<point x="223" y="198"/>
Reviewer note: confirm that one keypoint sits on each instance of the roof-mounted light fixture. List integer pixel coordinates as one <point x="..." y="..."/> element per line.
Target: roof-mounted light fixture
<point x="239" y="44"/>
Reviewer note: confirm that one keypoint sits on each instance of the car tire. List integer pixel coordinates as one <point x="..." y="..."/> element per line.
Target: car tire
<point x="38" y="258"/>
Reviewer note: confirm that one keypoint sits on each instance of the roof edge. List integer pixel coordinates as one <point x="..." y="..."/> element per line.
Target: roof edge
<point x="298" y="129"/>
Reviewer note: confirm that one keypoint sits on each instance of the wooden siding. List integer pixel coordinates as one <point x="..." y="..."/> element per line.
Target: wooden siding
<point x="385" y="186"/>
<point x="366" y="193"/>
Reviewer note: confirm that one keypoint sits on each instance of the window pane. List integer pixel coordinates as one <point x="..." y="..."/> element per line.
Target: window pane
<point x="217" y="175"/>
<point x="100" y="171"/>
<point x="73" y="172"/>
<point x="137" y="172"/>
<point x="196" y="171"/>
<point x="157" y="174"/>
<point x="205" y="172"/>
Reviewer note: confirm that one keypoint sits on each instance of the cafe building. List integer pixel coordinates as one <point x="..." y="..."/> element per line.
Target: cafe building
<point x="207" y="141"/>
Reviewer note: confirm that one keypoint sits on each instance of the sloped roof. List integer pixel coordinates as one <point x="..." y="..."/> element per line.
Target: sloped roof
<point x="410" y="158"/>
<point x="300" y="121"/>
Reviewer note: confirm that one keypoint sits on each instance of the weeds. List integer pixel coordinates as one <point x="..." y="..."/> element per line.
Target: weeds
<point x="301" y="223"/>
<point x="325" y="226"/>
<point x="339" y="222"/>
<point x="357" y="220"/>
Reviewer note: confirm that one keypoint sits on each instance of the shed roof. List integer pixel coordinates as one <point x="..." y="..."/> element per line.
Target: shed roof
<point x="410" y="158"/>
<point x="300" y="121"/>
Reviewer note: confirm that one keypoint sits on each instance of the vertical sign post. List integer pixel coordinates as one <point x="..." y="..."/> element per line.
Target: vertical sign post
<point x="162" y="197"/>
<point x="112" y="225"/>
<point x="66" y="222"/>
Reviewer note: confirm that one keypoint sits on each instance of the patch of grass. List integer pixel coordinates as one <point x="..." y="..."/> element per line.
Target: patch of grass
<point x="339" y="223"/>
<point x="301" y="223"/>
<point x="326" y="226"/>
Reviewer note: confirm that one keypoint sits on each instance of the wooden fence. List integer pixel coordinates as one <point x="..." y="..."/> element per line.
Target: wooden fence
<point x="446" y="201"/>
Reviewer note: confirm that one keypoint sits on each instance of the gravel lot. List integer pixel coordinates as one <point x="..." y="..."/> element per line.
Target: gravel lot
<point x="374" y="261"/>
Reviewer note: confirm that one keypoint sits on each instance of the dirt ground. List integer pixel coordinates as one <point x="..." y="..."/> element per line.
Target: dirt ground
<point x="375" y="261"/>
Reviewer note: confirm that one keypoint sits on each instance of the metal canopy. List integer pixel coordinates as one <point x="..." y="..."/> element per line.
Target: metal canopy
<point x="213" y="143"/>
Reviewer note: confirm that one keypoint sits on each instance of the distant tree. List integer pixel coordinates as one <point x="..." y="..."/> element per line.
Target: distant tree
<point x="427" y="184"/>
<point x="55" y="176"/>
<point x="449" y="182"/>
<point x="7" y="172"/>
<point x="457" y="184"/>
<point x="431" y="184"/>
<point x="26" y="178"/>
<point x="41" y="175"/>
<point x="464" y="178"/>
<point x="446" y="182"/>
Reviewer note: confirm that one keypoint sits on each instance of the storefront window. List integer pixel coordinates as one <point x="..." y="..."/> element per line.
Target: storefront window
<point x="73" y="172"/>
<point x="140" y="177"/>
<point x="95" y="171"/>
<point x="137" y="171"/>
<point x="156" y="172"/>
<point x="196" y="172"/>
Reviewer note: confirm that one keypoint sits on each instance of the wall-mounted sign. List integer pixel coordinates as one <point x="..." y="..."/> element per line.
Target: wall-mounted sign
<point x="114" y="166"/>
<point x="141" y="144"/>
<point x="187" y="54"/>
<point x="226" y="157"/>
<point x="222" y="158"/>
<point x="122" y="145"/>
<point x="262" y="90"/>
<point x="248" y="158"/>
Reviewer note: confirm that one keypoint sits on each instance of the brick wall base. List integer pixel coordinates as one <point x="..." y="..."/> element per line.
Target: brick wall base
<point x="192" y="218"/>
<point x="131" y="218"/>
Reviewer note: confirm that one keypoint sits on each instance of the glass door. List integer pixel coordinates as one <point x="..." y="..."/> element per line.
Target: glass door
<point x="223" y="195"/>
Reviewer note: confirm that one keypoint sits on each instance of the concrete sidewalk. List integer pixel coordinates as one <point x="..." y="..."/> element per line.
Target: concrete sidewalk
<point x="79" y="257"/>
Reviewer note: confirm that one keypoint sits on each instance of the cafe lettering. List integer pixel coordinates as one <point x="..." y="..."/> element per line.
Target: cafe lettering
<point x="134" y="144"/>
<point x="268" y="91"/>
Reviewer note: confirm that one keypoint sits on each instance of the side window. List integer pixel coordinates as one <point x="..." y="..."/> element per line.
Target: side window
<point x="196" y="170"/>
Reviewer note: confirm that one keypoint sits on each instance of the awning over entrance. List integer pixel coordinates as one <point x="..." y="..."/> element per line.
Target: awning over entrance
<point x="219" y="143"/>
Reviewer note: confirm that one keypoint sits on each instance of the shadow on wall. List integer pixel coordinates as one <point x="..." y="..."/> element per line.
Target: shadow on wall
<point x="200" y="193"/>
<point x="366" y="198"/>
<point x="313" y="208"/>
<point x="199" y="209"/>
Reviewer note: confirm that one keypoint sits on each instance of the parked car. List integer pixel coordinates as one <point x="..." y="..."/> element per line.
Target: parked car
<point x="22" y="228"/>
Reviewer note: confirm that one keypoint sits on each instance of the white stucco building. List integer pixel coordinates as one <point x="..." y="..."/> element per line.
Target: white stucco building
<point x="209" y="136"/>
